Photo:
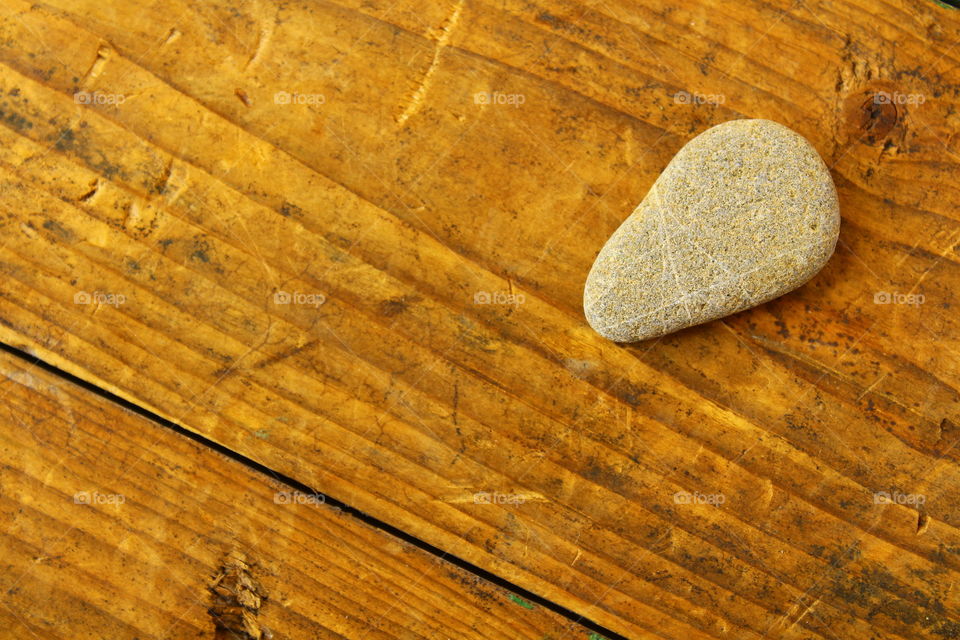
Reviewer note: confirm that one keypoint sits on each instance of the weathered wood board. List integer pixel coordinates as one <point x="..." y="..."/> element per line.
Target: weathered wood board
<point x="286" y="219"/>
<point x="114" y="528"/>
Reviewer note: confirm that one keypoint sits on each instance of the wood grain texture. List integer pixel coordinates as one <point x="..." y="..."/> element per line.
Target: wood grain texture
<point x="114" y="527"/>
<point x="345" y="149"/>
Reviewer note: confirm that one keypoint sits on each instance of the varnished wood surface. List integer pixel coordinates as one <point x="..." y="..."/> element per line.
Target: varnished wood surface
<point x="114" y="528"/>
<point x="393" y="192"/>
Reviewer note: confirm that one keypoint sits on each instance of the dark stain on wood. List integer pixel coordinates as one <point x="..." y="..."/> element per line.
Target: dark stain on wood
<point x="878" y="117"/>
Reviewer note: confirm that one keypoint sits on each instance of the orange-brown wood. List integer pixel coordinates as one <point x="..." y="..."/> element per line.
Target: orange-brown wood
<point x="114" y="527"/>
<point x="386" y="164"/>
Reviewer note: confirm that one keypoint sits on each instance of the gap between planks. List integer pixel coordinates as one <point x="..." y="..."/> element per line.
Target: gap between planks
<point x="602" y="633"/>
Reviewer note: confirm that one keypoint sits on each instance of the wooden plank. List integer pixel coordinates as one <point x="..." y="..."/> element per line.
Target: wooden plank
<point x="390" y="191"/>
<point x="115" y="527"/>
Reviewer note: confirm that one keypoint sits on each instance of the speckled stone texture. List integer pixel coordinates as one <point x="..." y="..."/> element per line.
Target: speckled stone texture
<point x="744" y="213"/>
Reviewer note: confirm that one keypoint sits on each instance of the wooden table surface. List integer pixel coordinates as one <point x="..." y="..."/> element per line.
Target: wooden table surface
<point x="344" y="243"/>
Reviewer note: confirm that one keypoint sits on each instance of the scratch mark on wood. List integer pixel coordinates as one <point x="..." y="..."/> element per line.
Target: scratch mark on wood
<point x="103" y="56"/>
<point x="806" y="610"/>
<point x="171" y="186"/>
<point x="872" y="385"/>
<point x="172" y="37"/>
<point x="923" y="522"/>
<point x="89" y="195"/>
<point x="766" y="497"/>
<point x="628" y="147"/>
<point x="445" y="31"/>
<point x="263" y="39"/>
<point x="133" y="215"/>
